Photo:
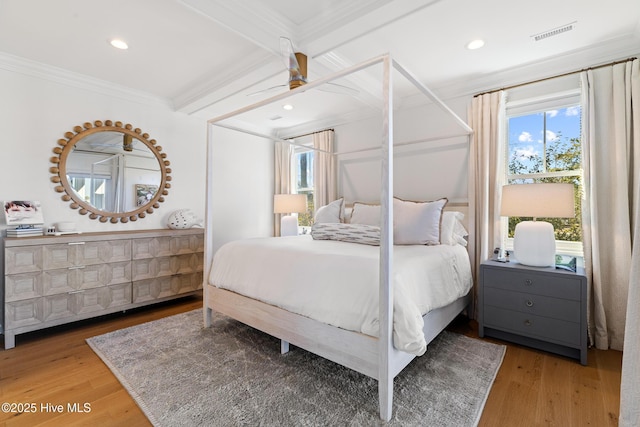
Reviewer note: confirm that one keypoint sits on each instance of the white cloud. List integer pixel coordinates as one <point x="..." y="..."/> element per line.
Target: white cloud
<point x="525" y="137"/>
<point x="551" y="136"/>
<point x="572" y="111"/>
<point x="552" y="113"/>
<point x="527" y="152"/>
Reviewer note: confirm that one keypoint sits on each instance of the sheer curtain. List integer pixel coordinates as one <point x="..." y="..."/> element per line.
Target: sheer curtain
<point x="282" y="181"/>
<point x="611" y="145"/>
<point x="485" y="176"/>
<point x="325" y="188"/>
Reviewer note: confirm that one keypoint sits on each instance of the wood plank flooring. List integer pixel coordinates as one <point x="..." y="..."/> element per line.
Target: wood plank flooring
<point x="57" y="367"/>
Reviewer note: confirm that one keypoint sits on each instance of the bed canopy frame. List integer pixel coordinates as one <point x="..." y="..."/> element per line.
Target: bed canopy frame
<point x="373" y="357"/>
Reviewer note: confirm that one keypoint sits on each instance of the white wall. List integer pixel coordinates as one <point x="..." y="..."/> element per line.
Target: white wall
<point x="422" y="171"/>
<point x="35" y="112"/>
<point x="242" y="186"/>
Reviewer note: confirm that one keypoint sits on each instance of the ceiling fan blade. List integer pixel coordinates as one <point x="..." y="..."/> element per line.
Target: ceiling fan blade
<point x="288" y="55"/>
<point x="268" y="90"/>
<point x="336" y="88"/>
<point x="290" y="61"/>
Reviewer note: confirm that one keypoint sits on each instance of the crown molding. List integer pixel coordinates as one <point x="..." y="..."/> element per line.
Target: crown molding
<point x="61" y="76"/>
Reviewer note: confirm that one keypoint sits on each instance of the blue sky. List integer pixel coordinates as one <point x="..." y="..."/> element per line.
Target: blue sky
<point x="526" y="132"/>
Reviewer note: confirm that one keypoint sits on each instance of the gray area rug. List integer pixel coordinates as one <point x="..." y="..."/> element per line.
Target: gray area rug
<point x="182" y="374"/>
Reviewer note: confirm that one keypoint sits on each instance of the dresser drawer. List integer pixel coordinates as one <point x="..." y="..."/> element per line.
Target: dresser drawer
<point x="530" y="325"/>
<point x="539" y="305"/>
<point x="553" y="285"/>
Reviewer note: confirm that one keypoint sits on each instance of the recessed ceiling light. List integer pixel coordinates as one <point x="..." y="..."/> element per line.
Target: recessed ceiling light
<point x="475" y="44"/>
<point x="119" y="44"/>
<point x="288" y="107"/>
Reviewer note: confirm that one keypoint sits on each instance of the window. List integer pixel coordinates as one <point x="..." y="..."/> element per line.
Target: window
<point x="543" y="145"/>
<point x="303" y="176"/>
<point x="93" y="191"/>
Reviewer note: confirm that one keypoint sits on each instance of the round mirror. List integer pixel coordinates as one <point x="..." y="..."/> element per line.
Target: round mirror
<point x="110" y="171"/>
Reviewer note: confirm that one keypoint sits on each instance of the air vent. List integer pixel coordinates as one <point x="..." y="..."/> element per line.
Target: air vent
<point x="275" y="118"/>
<point x="554" y="32"/>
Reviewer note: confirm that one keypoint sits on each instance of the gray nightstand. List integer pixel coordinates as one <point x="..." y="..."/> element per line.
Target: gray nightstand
<point x="544" y="308"/>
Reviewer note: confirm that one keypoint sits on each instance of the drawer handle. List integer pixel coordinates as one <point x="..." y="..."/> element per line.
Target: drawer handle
<point x="529" y="303"/>
<point x="77" y="267"/>
<point x="75" y="292"/>
<point x="75" y="243"/>
<point x="528" y="322"/>
<point x="528" y="282"/>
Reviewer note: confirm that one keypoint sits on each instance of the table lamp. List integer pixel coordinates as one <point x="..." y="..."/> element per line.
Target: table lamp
<point x="288" y="204"/>
<point x="534" y="242"/>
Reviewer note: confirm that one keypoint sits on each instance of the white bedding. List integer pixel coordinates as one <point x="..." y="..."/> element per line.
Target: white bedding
<point x="337" y="282"/>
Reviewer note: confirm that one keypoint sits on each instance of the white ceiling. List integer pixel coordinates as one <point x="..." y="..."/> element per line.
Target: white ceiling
<point x="204" y="56"/>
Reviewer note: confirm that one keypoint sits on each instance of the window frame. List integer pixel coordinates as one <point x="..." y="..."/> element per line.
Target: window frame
<point x="535" y="105"/>
<point x="305" y="147"/>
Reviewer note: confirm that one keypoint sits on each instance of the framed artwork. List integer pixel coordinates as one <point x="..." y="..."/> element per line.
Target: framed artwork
<point x="23" y="212"/>
<point x="144" y="193"/>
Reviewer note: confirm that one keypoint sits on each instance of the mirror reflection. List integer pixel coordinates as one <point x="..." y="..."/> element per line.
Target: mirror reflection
<point x="113" y="172"/>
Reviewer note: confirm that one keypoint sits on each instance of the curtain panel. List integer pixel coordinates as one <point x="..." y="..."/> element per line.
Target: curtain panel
<point x="486" y="177"/>
<point x="325" y="187"/>
<point x="627" y="85"/>
<point x="610" y="140"/>
<point x="282" y="179"/>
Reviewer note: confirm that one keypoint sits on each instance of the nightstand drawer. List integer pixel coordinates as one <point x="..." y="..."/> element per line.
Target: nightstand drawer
<point x="564" y="286"/>
<point x="539" y="305"/>
<point x="542" y="328"/>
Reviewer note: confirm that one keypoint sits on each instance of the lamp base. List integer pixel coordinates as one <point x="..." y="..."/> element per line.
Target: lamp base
<point x="534" y="244"/>
<point x="288" y="226"/>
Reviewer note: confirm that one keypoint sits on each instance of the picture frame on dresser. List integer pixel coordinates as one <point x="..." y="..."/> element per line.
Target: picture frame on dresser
<point x="540" y="307"/>
<point x="53" y="280"/>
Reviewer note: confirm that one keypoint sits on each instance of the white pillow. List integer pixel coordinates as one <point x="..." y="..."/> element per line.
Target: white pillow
<point x="330" y="213"/>
<point x="452" y="231"/>
<point x="365" y="214"/>
<point x="417" y="223"/>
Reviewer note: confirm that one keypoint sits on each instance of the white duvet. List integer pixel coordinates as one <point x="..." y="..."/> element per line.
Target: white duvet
<point x="337" y="282"/>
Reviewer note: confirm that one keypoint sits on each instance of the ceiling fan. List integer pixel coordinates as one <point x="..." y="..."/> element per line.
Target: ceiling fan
<point x="99" y="142"/>
<point x="296" y="64"/>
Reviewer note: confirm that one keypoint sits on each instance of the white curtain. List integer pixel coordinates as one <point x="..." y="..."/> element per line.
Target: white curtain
<point x="282" y="181"/>
<point x="325" y="188"/>
<point x="486" y="176"/>
<point x="629" y="390"/>
<point x="611" y="149"/>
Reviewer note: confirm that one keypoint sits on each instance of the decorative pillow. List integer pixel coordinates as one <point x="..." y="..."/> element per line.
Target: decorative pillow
<point x="452" y="231"/>
<point x="417" y="223"/>
<point x="331" y="213"/>
<point x="352" y="233"/>
<point x="363" y="213"/>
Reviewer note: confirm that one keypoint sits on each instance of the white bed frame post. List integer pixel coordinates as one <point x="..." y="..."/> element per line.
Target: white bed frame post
<point x="208" y="241"/>
<point x="385" y="342"/>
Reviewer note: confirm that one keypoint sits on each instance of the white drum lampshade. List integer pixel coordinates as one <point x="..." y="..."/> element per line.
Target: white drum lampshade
<point x="288" y="204"/>
<point x="534" y="242"/>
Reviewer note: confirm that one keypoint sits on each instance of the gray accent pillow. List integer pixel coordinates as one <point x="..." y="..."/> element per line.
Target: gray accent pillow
<point x="352" y="233"/>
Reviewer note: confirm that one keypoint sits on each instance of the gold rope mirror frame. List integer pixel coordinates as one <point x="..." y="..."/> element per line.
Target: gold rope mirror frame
<point x="67" y="145"/>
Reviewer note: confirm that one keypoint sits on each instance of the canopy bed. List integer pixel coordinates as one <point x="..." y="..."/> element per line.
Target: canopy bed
<point x="367" y="349"/>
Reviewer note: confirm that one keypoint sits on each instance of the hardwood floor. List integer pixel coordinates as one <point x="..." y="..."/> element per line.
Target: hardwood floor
<point x="57" y="367"/>
<point x="535" y="388"/>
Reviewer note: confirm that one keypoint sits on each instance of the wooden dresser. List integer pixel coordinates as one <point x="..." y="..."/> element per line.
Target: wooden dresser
<point x="51" y="280"/>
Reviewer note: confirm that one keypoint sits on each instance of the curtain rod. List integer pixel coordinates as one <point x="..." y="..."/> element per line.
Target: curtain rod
<point x="558" y="76"/>
<point x="310" y="133"/>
